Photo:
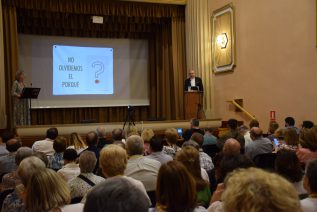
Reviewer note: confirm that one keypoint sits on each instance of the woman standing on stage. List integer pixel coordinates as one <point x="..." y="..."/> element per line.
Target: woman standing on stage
<point x="21" y="113"/>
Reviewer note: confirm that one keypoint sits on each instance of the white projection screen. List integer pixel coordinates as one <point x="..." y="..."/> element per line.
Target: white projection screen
<point x="126" y="85"/>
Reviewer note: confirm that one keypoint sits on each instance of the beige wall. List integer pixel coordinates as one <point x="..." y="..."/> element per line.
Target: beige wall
<point x="276" y="61"/>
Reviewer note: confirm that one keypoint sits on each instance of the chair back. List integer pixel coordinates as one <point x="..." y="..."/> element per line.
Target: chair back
<point x="265" y="161"/>
<point x="211" y="150"/>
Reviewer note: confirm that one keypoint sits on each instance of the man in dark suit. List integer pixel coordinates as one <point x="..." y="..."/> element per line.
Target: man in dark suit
<point x="193" y="81"/>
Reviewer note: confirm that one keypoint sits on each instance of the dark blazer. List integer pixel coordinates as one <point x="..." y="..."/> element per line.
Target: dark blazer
<point x="198" y="82"/>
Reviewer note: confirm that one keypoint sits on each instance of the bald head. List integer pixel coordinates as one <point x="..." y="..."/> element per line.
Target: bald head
<point x="91" y="138"/>
<point x="13" y="144"/>
<point x="198" y="138"/>
<point x="117" y="134"/>
<point x="101" y="132"/>
<point x="231" y="147"/>
<point x="255" y="133"/>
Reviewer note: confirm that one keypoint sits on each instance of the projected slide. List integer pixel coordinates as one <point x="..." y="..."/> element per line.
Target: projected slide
<point x="82" y="70"/>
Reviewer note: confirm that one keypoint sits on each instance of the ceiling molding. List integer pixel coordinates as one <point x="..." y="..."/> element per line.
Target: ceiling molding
<point x="179" y="2"/>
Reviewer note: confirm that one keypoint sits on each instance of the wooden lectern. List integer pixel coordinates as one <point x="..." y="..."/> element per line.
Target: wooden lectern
<point x="193" y="104"/>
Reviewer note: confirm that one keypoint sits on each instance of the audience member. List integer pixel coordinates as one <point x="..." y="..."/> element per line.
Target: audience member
<point x="156" y="147"/>
<point x="192" y="144"/>
<point x="288" y="166"/>
<point x="171" y="194"/>
<point x="233" y="133"/>
<point x="56" y="161"/>
<point x="42" y="156"/>
<point x="194" y="128"/>
<point x="231" y="147"/>
<point x="14" y="201"/>
<point x="189" y="157"/>
<point x="308" y="139"/>
<point x="245" y="132"/>
<point x="12" y="179"/>
<point x="247" y="137"/>
<point x="305" y="155"/>
<point x="102" y="137"/>
<point x="117" y="134"/>
<point x="80" y="185"/>
<point x="273" y="126"/>
<point x="116" y="194"/>
<point x="140" y="167"/>
<point x="46" y="145"/>
<point x="307" y="124"/>
<point x="7" y="162"/>
<point x="209" y="138"/>
<point x="291" y="140"/>
<point x="46" y="191"/>
<point x="290" y="123"/>
<point x="147" y="135"/>
<point x="171" y="148"/>
<point x="132" y="130"/>
<point x="70" y="169"/>
<point x="256" y="190"/>
<point x="92" y="141"/>
<point x="77" y="143"/>
<point x="310" y="183"/>
<point x="205" y="160"/>
<point x="113" y="162"/>
<point x="229" y="163"/>
<point x="260" y="145"/>
<point x="5" y="136"/>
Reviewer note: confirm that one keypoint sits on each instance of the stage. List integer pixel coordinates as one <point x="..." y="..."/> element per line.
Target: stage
<point x="29" y="134"/>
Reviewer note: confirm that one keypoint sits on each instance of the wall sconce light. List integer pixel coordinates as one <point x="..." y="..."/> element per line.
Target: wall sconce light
<point x="222" y="40"/>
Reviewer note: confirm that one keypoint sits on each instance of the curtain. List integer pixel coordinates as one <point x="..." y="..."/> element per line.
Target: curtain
<point x="162" y="25"/>
<point x="198" y="43"/>
<point x="3" y="115"/>
<point x="10" y="55"/>
<point x="179" y="64"/>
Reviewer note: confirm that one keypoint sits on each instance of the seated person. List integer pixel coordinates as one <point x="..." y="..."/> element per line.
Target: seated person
<point x="80" y="185"/>
<point x="189" y="157"/>
<point x="113" y="162"/>
<point x="171" y="148"/>
<point x="205" y="160"/>
<point x="232" y="133"/>
<point x="46" y="146"/>
<point x="56" y="161"/>
<point x="140" y="167"/>
<point x="27" y="167"/>
<point x="156" y="147"/>
<point x="116" y="194"/>
<point x="255" y="190"/>
<point x="70" y="169"/>
<point x="12" y="179"/>
<point x="194" y="128"/>
<point x="5" y="136"/>
<point x="310" y="183"/>
<point x="209" y="138"/>
<point x="102" y="138"/>
<point x="171" y="194"/>
<point x="147" y="135"/>
<point x="7" y="162"/>
<point x="287" y="165"/>
<point x="76" y="142"/>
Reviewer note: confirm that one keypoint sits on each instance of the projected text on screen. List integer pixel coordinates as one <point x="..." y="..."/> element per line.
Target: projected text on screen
<point x="82" y="70"/>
